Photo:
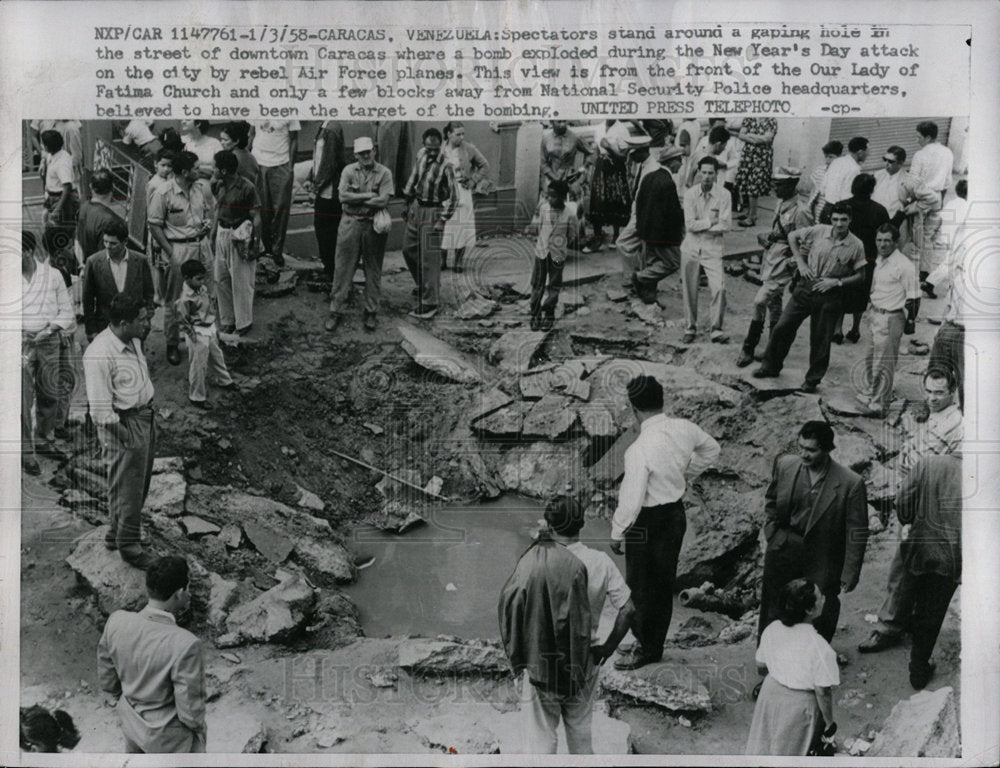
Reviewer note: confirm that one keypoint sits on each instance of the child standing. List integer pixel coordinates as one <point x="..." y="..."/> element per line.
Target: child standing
<point x="194" y="311"/>
<point x="162" y="177"/>
<point x="558" y="226"/>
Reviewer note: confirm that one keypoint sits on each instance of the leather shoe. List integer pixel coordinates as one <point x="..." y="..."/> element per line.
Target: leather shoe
<point x="635" y="660"/>
<point x="878" y="641"/>
<point x="808" y="388"/>
<point x="141" y="559"/>
<point x="837" y="338"/>
<point x="370" y="323"/>
<point x="764" y="373"/>
<point x="744" y="359"/>
<point x="173" y="355"/>
<point x="332" y="322"/>
<point x="853" y="336"/>
<point x="920" y="676"/>
<point x="688" y="337"/>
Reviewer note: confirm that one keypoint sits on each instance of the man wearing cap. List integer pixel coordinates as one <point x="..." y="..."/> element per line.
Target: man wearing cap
<point x="629" y="245"/>
<point x="365" y="188"/>
<point x="430" y="202"/>
<point x="659" y="224"/>
<point x="840" y="174"/>
<point x="777" y="266"/>
<point x="708" y="215"/>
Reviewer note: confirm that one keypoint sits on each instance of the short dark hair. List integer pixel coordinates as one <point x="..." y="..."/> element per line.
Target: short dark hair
<point x="797" y="598"/>
<point x="184" y="162"/>
<point x="239" y="132"/>
<point x="942" y="372"/>
<point x="559" y="187"/>
<point x="47" y="731"/>
<point x="645" y="393"/>
<point x="52" y="141"/>
<point x="165" y="576"/>
<point x="857" y="144"/>
<point x="101" y="181"/>
<point x="898" y="152"/>
<point x="819" y="431"/>
<point x="719" y="133"/>
<point x="833" y="148"/>
<point x="167" y="154"/>
<point x="202" y="125"/>
<point x="891" y="229"/>
<point x="117" y="229"/>
<point x="123" y="309"/>
<point x="708" y="160"/>
<point x="430" y="133"/>
<point x="843" y="207"/>
<point x="863" y="185"/>
<point x="172" y="140"/>
<point x="962" y="188"/>
<point x="191" y="268"/>
<point x="928" y="129"/>
<point x="564" y="515"/>
<point x="226" y="162"/>
<point x="28" y="241"/>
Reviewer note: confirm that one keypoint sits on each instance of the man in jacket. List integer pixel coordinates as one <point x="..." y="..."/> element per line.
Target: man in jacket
<point x="112" y="271"/>
<point x="659" y="224"/>
<point x="156" y="668"/>
<point x="550" y="610"/>
<point x="816" y="526"/>
<point x="324" y="177"/>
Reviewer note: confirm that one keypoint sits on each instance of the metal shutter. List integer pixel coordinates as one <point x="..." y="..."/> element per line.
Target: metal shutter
<point x="883" y="132"/>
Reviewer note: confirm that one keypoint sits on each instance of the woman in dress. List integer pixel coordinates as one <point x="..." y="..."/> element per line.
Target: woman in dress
<point x="470" y="169"/>
<point x="754" y="174"/>
<point x="795" y="704"/>
<point x="609" y="190"/>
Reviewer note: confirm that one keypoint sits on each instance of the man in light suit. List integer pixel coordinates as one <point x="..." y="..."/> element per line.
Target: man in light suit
<point x="156" y="668"/>
<point x="114" y="270"/>
<point x="816" y="526"/>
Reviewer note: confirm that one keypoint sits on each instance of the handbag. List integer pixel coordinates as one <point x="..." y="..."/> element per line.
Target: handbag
<point x="381" y="221"/>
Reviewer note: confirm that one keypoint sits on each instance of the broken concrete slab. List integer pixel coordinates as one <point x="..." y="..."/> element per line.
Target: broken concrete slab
<point x="550" y="418"/>
<point x="844" y="403"/>
<point x="430" y="352"/>
<point x="596" y="420"/>
<point x="284" y="285"/>
<point x="166" y="494"/>
<point x="309" y="500"/>
<point x="163" y="464"/>
<point x="223" y="595"/>
<point x="514" y="351"/>
<point x="195" y="527"/>
<point x="395" y="517"/>
<point x="504" y="423"/>
<point x="674" y="690"/>
<point x="273" y="616"/>
<point x="883" y="480"/>
<point x="272" y="544"/>
<point x="571" y="299"/>
<point x="483" y="404"/>
<point x="465" y="732"/>
<point x="616" y="295"/>
<point x="611" y="466"/>
<point x="534" y="386"/>
<point x="476" y="307"/>
<point x="423" y="656"/>
<point x="543" y="470"/>
<point x="327" y="558"/>
<point x="651" y="314"/>
<point x="854" y="450"/>
<point x="231" y="535"/>
<point x="118" y="585"/>
<point x="575" y="388"/>
<point x="925" y="725"/>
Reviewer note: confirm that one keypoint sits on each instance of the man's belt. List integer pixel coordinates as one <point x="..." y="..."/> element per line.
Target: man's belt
<point x="224" y="225"/>
<point x="137" y="411"/>
<point x="195" y="239"/>
<point x="428" y="204"/>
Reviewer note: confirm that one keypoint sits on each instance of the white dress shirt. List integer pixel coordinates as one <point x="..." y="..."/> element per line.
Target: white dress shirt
<point x="45" y="301"/>
<point x="837" y="182"/>
<point x="932" y="165"/>
<point x="707" y="217"/>
<point x="117" y="376"/>
<point x="665" y="453"/>
<point x="604" y="580"/>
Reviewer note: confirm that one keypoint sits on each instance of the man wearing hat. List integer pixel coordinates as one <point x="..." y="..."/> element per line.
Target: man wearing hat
<point x="659" y="224"/>
<point x="365" y="188"/>
<point x="629" y="245"/>
<point x="777" y="266"/>
<point x="708" y="214"/>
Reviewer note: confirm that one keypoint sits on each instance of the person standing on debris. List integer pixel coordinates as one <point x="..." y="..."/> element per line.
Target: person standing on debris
<point x="430" y="202"/>
<point x="708" y="216"/>
<point x="642" y="161"/>
<point x="550" y="611"/>
<point x="62" y="202"/>
<point x="659" y="224"/>
<point x="194" y="308"/>
<point x="940" y="435"/>
<point x="895" y="300"/>
<point x="795" y="704"/>
<point x="180" y="220"/>
<point x="829" y="258"/>
<point x="470" y="167"/>
<point x="816" y="527"/>
<point x="324" y="177"/>
<point x="557" y="226"/>
<point x="121" y="406"/>
<point x="364" y="190"/>
<point x="777" y="265"/>
<point x="234" y="241"/>
<point x="930" y="503"/>
<point x="112" y="271"/>
<point x="155" y="668"/>
<point x="650" y="519"/>
<point x="274" y="144"/>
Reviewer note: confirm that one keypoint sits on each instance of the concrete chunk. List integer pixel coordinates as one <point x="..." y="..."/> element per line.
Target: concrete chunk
<point x="430" y="352"/>
<point x="514" y="350"/>
<point x="925" y="725"/>
<point x="660" y="687"/>
<point x="444" y="657"/>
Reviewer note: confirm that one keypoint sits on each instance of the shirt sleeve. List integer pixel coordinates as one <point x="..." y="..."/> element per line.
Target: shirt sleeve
<point x="107" y="675"/>
<point x="157" y="212"/>
<point x="825" y="672"/>
<point x="97" y="373"/>
<point x="764" y="649"/>
<point x="66" y="315"/>
<point x="188" y="677"/>
<point x="410" y="190"/>
<point x="706" y="450"/>
<point x="385" y="185"/>
<point x="618" y="592"/>
<point x="63" y="170"/>
<point x="631" y="493"/>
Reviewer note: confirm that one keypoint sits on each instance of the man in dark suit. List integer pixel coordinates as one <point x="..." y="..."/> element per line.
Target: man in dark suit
<point x="111" y="271"/>
<point x="659" y="224"/>
<point x="816" y="526"/>
<point x="324" y="176"/>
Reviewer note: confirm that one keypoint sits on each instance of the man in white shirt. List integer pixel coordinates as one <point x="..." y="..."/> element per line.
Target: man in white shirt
<point x="932" y="163"/>
<point x="840" y="175"/>
<point x="275" y="143"/>
<point x="46" y="311"/>
<point x="951" y="236"/>
<point x="650" y="518"/>
<point x="708" y="215"/>
<point x="120" y="393"/>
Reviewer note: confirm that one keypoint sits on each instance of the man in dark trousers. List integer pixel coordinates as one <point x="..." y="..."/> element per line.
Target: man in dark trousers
<point x="156" y="668"/>
<point x="659" y="224"/>
<point x="650" y="518"/>
<point x="930" y="501"/>
<point x="324" y="177"/>
<point x="816" y="526"/>
<point x="112" y="271"/>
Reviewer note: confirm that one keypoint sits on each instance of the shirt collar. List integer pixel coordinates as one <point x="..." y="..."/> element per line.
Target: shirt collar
<point x="652" y="421"/>
<point x="158" y="615"/>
